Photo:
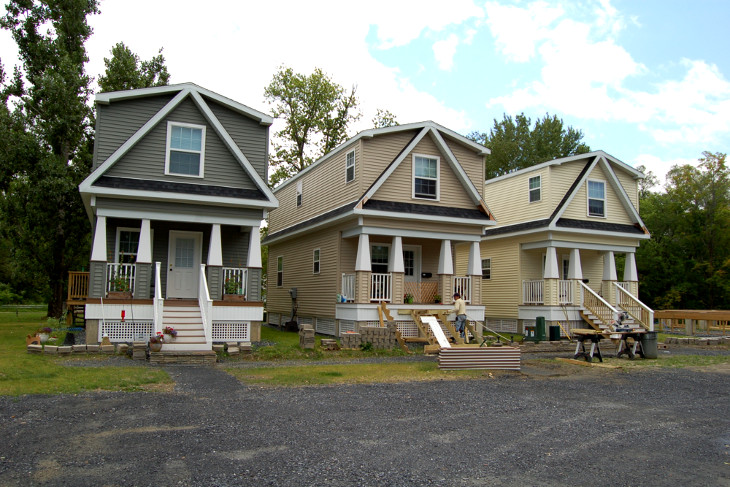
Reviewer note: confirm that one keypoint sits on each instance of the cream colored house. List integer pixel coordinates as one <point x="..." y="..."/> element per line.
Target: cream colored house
<point x="560" y="227"/>
<point x="378" y="219"/>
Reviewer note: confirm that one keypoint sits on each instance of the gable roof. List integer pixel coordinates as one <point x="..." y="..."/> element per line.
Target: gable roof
<point x="91" y="185"/>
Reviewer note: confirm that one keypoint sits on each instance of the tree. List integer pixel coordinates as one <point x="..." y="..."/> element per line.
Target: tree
<point x="41" y="210"/>
<point x="124" y="71"/>
<point x="384" y="118"/>
<point x="316" y="113"/>
<point x="515" y="145"/>
<point x="645" y="185"/>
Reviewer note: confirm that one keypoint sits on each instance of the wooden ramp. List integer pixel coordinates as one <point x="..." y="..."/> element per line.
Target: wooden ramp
<point x="474" y="358"/>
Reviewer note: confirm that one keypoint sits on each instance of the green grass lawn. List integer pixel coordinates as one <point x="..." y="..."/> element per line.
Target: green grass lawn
<point x="24" y="373"/>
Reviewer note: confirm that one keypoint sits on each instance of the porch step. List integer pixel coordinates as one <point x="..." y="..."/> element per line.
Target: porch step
<point x="183" y="357"/>
<point x="188" y="322"/>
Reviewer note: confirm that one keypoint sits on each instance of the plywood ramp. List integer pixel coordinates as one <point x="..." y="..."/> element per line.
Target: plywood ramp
<point x="469" y="358"/>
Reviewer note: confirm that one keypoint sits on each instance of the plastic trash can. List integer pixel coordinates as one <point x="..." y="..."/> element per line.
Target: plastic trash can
<point x="554" y="333"/>
<point x="530" y="333"/>
<point x="540" y="329"/>
<point x="649" y="344"/>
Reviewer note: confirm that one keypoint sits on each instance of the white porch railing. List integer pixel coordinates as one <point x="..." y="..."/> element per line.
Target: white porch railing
<point x="158" y="302"/>
<point x="206" y="306"/>
<point x="348" y="287"/>
<point x="533" y="291"/>
<point x="625" y="285"/>
<point x="462" y="285"/>
<point x="238" y="278"/>
<point x="598" y="306"/>
<point x="120" y="277"/>
<point x="381" y="287"/>
<point x="635" y="308"/>
<point x="565" y="292"/>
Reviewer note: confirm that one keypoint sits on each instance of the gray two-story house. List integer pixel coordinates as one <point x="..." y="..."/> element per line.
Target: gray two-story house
<point x="176" y="197"/>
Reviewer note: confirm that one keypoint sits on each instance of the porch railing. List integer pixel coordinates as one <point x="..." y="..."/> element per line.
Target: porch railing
<point x="598" y="306"/>
<point x="238" y="276"/>
<point x="533" y="291"/>
<point x="157" y="302"/>
<point x="78" y="285"/>
<point x="565" y="292"/>
<point x="348" y="287"/>
<point x="635" y="308"/>
<point x="381" y="287"/>
<point x="120" y="277"/>
<point x="206" y="306"/>
<point x="462" y="285"/>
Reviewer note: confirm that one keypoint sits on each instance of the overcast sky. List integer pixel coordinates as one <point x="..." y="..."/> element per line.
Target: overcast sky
<point x="646" y="81"/>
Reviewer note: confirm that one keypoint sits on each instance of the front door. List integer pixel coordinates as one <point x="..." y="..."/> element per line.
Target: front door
<point x="183" y="264"/>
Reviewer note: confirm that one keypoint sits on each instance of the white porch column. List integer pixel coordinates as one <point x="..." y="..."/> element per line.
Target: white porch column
<point x="475" y="260"/>
<point x="254" y="249"/>
<point x="395" y="261"/>
<point x="363" y="262"/>
<point x="215" y="251"/>
<point x="144" y="249"/>
<point x="551" y="264"/>
<point x="630" y="273"/>
<point x="575" y="271"/>
<point x="98" y="251"/>
<point x="609" y="267"/>
<point x="446" y="262"/>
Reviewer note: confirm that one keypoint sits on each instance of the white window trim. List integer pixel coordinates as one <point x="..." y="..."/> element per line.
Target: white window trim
<point x="201" y="171"/>
<point x="588" y="199"/>
<point x="348" y="165"/>
<point x="280" y="258"/>
<point x="116" y="244"/>
<point x="413" y="177"/>
<point x="490" y="269"/>
<point x="299" y="195"/>
<point x="317" y="259"/>
<point x="530" y="190"/>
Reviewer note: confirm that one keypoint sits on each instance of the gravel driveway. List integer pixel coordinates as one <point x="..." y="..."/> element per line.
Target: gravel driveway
<point x="551" y="424"/>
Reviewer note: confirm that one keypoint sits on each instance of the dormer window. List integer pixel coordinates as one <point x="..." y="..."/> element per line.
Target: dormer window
<point x="350" y="167"/>
<point x="535" y="184"/>
<point x="596" y="198"/>
<point x="425" y="177"/>
<point x="185" y="149"/>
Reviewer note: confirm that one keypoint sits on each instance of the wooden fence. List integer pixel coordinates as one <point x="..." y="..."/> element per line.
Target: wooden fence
<point x="693" y="321"/>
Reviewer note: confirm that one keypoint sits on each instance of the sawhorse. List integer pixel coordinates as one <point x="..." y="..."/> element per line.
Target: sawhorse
<point x="580" y="349"/>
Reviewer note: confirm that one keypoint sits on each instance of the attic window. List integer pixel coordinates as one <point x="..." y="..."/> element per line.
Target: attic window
<point x="425" y="177"/>
<point x="185" y="149"/>
<point x="596" y="198"/>
<point x="535" y="186"/>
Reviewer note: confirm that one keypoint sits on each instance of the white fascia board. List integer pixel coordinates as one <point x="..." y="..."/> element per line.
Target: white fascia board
<point x="178" y="217"/>
<point x="456" y="167"/>
<point x="568" y="244"/>
<point x="242" y="159"/>
<point x="400" y="232"/>
<point x="180" y="197"/>
<point x="85" y="185"/>
<point x="428" y="218"/>
<point x="306" y="228"/>
<point x="571" y="196"/>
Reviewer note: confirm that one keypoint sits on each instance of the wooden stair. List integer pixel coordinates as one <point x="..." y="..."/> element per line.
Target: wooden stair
<point x="186" y="319"/>
<point x="386" y="317"/>
<point x="597" y="324"/>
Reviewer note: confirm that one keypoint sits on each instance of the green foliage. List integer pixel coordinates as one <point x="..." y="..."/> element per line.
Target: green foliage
<point x="124" y="71"/>
<point x="316" y="113"/>
<point x="516" y="145"/>
<point x="384" y="118"/>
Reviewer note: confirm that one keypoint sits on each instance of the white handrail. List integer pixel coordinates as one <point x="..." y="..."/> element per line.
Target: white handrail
<point x="638" y="310"/>
<point x="462" y="285"/>
<point x="240" y="276"/>
<point x="606" y="319"/>
<point x="381" y="286"/>
<point x="206" y="306"/>
<point x="157" y="302"/>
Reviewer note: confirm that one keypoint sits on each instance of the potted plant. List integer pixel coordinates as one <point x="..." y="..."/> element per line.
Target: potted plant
<point x="119" y="286"/>
<point x="408" y="298"/>
<point x="44" y="333"/>
<point x="437" y="299"/>
<point x="156" y="342"/>
<point x="232" y="290"/>
<point x="169" y="332"/>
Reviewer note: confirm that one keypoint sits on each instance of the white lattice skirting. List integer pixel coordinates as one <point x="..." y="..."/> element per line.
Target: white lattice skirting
<point x="126" y="331"/>
<point x="236" y="331"/>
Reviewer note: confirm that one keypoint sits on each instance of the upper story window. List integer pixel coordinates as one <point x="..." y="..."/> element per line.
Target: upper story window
<point x="486" y="268"/>
<point x="350" y="167"/>
<point x="596" y="198"/>
<point x="425" y="177"/>
<point x="535" y="187"/>
<point x="185" y="149"/>
<point x="279" y="271"/>
<point x="315" y="262"/>
<point x="299" y="193"/>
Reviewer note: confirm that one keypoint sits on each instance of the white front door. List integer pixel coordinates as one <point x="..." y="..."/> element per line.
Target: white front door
<point x="412" y="263"/>
<point x="183" y="264"/>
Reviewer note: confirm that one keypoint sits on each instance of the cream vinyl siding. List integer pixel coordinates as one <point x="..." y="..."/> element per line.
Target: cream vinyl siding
<point x="561" y="179"/>
<point x="471" y="162"/>
<point x="316" y="293"/>
<point x="615" y="211"/>
<point x="502" y="294"/>
<point x="509" y="199"/>
<point x="348" y="255"/>
<point x="399" y="186"/>
<point x="631" y="185"/>
<point x="323" y="189"/>
<point x="378" y="153"/>
<point x="421" y="225"/>
<point x="591" y="262"/>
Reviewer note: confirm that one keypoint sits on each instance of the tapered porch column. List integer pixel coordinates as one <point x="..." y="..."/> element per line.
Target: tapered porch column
<point x="575" y="275"/>
<point x="631" y="276"/>
<point x="609" y="278"/>
<point x="363" y="269"/>
<point x="446" y="272"/>
<point x="143" y="267"/>
<point x="214" y="266"/>
<point x="255" y="267"/>
<point x="474" y="270"/>
<point x="396" y="267"/>
<point x="97" y="264"/>
<point x="551" y="277"/>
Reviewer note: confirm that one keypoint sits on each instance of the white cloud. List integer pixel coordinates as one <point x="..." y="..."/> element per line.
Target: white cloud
<point x="660" y="167"/>
<point x="444" y="51"/>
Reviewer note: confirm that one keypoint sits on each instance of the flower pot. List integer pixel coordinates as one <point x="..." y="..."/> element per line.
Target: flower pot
<point x="169" y="337"/>
<point x="44" y="337"/>
<point x="155" y="347"/>
<point x="234" y="297"/>
<point x="119" y="295"/>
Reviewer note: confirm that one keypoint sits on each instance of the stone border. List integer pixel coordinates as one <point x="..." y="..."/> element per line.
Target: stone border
<point x="697" y="341"/>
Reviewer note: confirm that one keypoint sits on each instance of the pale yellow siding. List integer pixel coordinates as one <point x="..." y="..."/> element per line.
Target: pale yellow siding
<point x="615" y="211"/>
<point x="631" y="186"/>
<point x="472" y="163"/>
<point x="501" y="294"/>
<point x="421" y="225"/>
<point x="509" y="199"/>
<point x="561" y="178"/>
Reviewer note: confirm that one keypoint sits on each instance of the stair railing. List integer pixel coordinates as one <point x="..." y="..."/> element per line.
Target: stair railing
<point x="206" y="306"/>
<point x="598" y="306"/>
<point x="157" y="301"/>
<point x="635" y="308"/>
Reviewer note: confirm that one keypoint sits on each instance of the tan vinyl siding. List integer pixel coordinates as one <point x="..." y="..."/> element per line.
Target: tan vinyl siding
<point x="421" y="225"/>
<point x="471" y="162"/>
<point x="315" y="292"/>
<point x="399" y="186"/>
<point x="146" y="160"/>
<point x="379" y="152"/>
<point x="501" y="295"/>
<point x="561" y="178"/>
<point x="615" y="211"/>
<point x="509" y="199"/>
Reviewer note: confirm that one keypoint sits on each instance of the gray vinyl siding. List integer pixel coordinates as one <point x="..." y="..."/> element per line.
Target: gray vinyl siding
<point x="117" y="122"/>
<point x="146" y="160"/>
<point x="235" y="246"/>
<point x="178" y="208"/>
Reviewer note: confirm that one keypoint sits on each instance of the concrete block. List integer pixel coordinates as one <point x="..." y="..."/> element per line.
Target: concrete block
<point x="231" y="344"/>
<point x="233" y="350"/>
<point x="50" y="350"/>
<point x="35" y="348"/>
<point x="139" y="345"/>
<point x="218" y="347"/>
<point x="107" y="349"/>
<point x="64" y="350"/>
<point x="78" y="348"/>
<point x="92" y="348"/>
<point x="122" y="348"/>
<point x="139" y="354"/>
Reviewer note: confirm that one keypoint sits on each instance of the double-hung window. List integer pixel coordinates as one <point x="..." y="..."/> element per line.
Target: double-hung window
<point x="299" y="193"/>
<point x="185" y="149"/>
<point x="535" y="187"/>
<point x="425" y="177"/>
<point x="596" y="198"/>
<point x="279" y="271"/>
<point x="315" y="262"/>
<point x="379" y="258"/>
<point x="127" y="245"/>
<point x="486" y="268"/>
<point x="350" y="167"/>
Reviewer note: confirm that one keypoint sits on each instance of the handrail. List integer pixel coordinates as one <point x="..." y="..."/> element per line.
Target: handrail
<point x="635" y="308"/>
<point x="158" y="302"/>
<point x="206" y="306"/>
<point x="240" y="276"/>
<point x="598" y="306"/>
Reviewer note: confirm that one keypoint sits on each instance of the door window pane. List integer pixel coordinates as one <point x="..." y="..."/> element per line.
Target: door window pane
<point x="184" y="251"/>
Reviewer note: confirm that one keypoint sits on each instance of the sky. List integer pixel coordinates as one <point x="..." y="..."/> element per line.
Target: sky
<point x="646" y="81"/>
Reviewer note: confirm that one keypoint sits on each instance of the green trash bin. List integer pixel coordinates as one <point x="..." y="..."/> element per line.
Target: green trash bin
<point x="554" y="333"/>
<point x="649" y="344"/>
<point x="540" y="329"/>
